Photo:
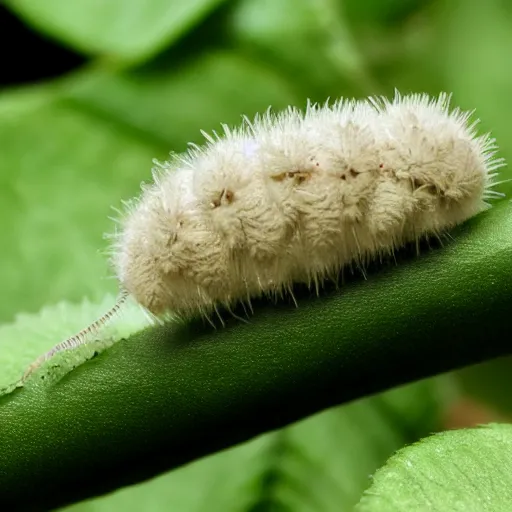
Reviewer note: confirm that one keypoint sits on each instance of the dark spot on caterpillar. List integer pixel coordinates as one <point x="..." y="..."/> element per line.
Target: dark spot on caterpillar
<point x="353" y="172"/>
<point x="343" y="177"/>
<point x="229" y="195"/>
<point x="299" y="176"/>
<point x="278" y="177"/>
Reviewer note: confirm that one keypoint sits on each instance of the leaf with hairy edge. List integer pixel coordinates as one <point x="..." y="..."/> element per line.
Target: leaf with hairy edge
<point x="461" y="471"/>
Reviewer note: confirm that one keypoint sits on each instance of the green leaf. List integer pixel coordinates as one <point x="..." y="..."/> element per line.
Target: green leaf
<point x="31" y="335"/>
<point x="173" y="393"/>
<point x="467" y="470"/>
<point x="127" y="31"/>
<point x="321" y="463"/>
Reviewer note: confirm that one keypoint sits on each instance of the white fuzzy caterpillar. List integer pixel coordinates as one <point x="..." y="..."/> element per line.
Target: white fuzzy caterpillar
<point x="294" y="197"/>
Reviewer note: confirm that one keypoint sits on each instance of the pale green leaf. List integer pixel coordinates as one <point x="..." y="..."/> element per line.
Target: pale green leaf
<point x="460" y="471"/>
<point x="31" y="335"/>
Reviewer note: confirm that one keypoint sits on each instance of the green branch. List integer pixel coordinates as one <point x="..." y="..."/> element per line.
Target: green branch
<point x="171" y="394"/>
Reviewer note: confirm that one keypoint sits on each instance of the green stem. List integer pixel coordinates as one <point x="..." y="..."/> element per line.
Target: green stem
<point x="174" y="393"/>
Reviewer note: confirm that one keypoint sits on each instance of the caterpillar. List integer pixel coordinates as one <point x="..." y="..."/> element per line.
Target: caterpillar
<point x="295" y="196"/>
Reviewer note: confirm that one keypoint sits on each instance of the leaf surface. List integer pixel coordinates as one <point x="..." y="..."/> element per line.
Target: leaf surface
<point x="461" y="471"/>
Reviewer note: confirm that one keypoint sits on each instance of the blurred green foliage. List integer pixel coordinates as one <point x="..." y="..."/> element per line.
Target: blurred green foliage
<point x="121" y="83"/>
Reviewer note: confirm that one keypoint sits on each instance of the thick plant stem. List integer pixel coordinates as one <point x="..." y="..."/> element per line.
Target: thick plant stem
<point x="176" y="392"/>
